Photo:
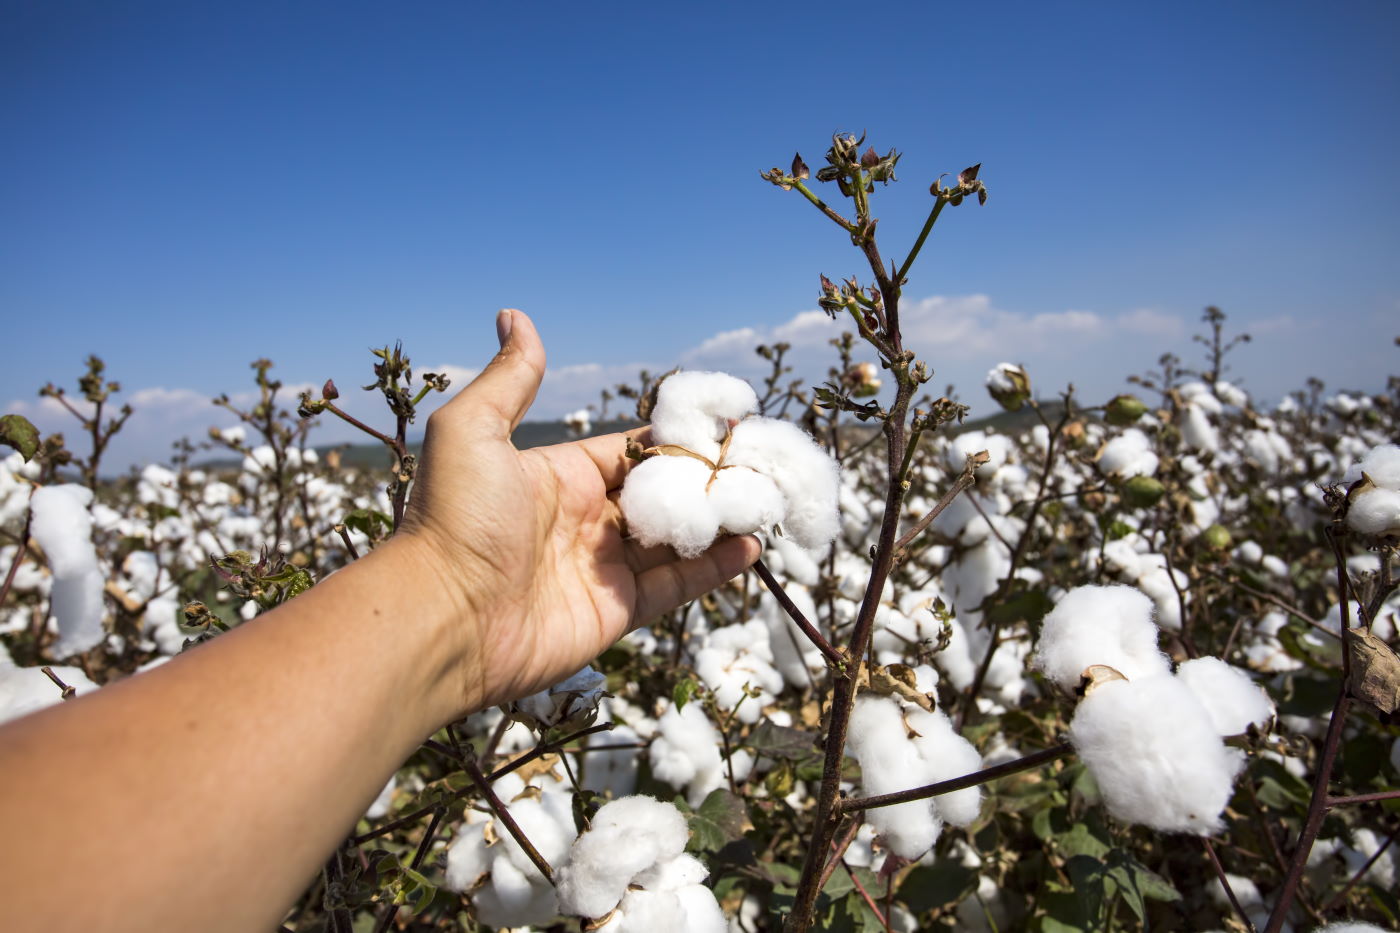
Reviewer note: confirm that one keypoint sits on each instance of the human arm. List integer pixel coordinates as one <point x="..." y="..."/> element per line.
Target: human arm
<point x="206" y="793"/>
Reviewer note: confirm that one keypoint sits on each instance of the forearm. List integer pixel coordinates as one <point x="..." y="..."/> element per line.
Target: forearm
<point x="214" y="786"/>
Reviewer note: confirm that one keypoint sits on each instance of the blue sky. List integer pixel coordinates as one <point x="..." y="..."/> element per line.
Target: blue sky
<point x="187" y="187"/>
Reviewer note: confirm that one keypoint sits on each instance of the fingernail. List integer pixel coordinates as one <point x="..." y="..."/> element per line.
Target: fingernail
<point x="504" y="320"/>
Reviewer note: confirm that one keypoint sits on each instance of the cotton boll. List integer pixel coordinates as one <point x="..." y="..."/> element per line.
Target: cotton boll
<point x="1196" y="429"/>
<point x="745" y="501"/>
<point x="572" y="703"/>
<point x="947" y="755"/>
<point x="1129" y="454"/>
<point x="975" y="575"/>
<point x="664" y="502"/>
<point x="1099" y="625"/>
<point x="512" y="900"/>
<point x="701" y="911"/>
<point x="1375" y="512"/>
<point x="685" y="752"/>
<point x="694" y="410"/>
<point x="1232" y="699"/>
<point x="628" y="837"/>
<point x="1156" y="754"/>
<point x="807" y="475"/>
<point x="889" y="762"/>
<point x="1351" y="927"/>
<point x="63" y="528"/>
<point x="1246" y="892"/>
<point x="1381" y="463"/>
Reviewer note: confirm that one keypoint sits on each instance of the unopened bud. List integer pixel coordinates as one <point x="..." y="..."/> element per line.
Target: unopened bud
<point x="1009" y="385"/>
<point x="864" y="379"/>
<point x="1216" y="537"/>
<point x="1124" y="410"/>
<point x="1142" y="492"/>
<point x="329" y="391"/>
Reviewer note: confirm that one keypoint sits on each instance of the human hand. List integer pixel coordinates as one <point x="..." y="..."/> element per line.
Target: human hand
<point x="528" y="544"/>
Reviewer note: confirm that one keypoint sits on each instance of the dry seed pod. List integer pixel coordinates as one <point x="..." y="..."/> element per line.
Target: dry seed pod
<point x="1375" y="672"/>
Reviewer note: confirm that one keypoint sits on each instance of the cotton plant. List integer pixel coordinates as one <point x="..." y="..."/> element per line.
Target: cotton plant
<point x="717" y="468"/>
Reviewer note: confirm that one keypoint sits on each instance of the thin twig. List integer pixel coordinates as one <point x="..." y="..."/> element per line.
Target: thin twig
<point x="966" y="480"/>
<point x="503" y="814"/>
<point x="833" y="657"/>
<point x="1362" y="798"/>
<point x="838" y="850"/>
<point x="1025" y="763"/>
<point x="1225" y="883"/>
<point x="1360" y="873"/>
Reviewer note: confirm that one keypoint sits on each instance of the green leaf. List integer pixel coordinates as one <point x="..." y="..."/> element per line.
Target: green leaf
<point x="366" y="521"/>
<point x="1030" y="606"/>
<point x="1277" y="787"/>
<point x="719" y="821"/>
<point x="782" y="742"/>
<point x="683" y="691"/>
<point x="1088" y="838"/>
<point x="1135" y="883"/>
<point x="931" y="886"/>
<point x="1307" y="696"/>
<point x="16" y="431"/>
<point x="1088" y="875"/>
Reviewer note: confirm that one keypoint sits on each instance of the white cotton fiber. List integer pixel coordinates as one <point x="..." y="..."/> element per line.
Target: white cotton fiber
<point x="889" y="762"/>
<point x="665" y="502"/>
<point x="1129" y="454"/>
<point x="63" y="527"/>
<point x="1233" y="700"/>
<point x="694" y="409"/>
<point x="628" y="837"/>
<point x="1375" y="512"/>
<point x="1156" y="754"/>
<point x="1099" y="625"/>
<point x="685" y="752"/>
<point x="745" y="502"/>
<point x="805" y="473"/>
<point x="1381" y="463"/>
<point x="947" y="755"/>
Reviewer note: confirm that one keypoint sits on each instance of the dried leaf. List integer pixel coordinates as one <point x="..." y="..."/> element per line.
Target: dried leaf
<point x="1375" y="672"/>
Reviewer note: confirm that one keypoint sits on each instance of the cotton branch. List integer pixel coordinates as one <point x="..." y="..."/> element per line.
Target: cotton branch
<point x="833" y="657"/>
<point x="1026" y="763"/>
<point x="508" y="821"/>
<point x="966" y="480"/>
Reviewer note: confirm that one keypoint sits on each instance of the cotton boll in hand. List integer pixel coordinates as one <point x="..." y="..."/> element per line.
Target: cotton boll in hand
<point x="1156" y="754"/>
<point x="806" y="474"/>
<point x="695" y="409"/>
<point x="1109" y="625"/>
<point x="744" y="501"/>
<point x="665" y="502"/>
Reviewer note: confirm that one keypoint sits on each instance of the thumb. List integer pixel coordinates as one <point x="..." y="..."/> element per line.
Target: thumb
<point x="500" y="396"/>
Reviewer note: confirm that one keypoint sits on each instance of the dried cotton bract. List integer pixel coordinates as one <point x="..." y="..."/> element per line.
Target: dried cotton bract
<point x="718" y="470"/>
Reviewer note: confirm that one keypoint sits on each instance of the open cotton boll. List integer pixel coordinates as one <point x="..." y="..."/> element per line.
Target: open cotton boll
<point x="889" y="762"/>
<point x="628" y="837"/>
<point x="1375" y="512"/>
<point x="573" y="702"/>
<point x="1351" y="927"/>
<point x="1381" y="463"/>
<point x="1127" y="455"/>
<point x="947" y="755"/>
<point x="685" y="752"/>
<point x="1233" y="700"/>
<point x="805" y="473"/>
<point x="63" y="527"/>
<point x="694" y="410"/>
<point x="665" y="502"/>
<point x="1099" y="625"/>
<point x="1196" y="429"/>
<point x="1156" y="754"/>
